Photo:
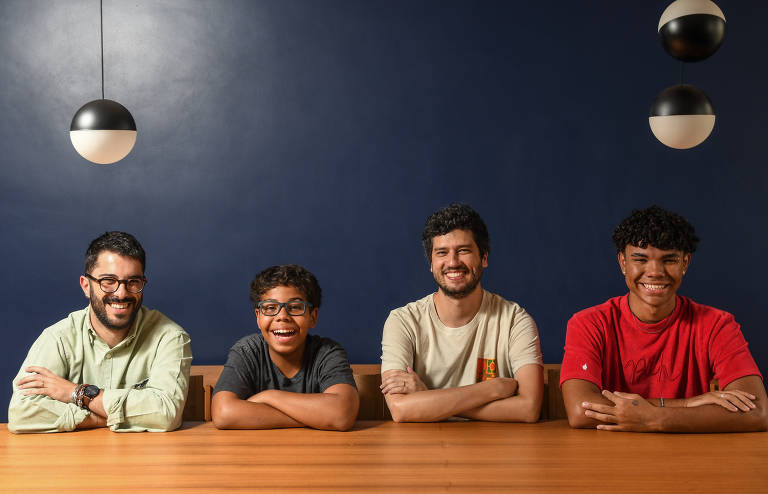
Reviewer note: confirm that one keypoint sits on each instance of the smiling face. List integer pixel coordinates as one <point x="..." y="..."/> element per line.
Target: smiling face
<point x="113" y="311"/>
<point x="285" y="334"/>
<point x="456" y="263"/>
<point x="653" y="277"/>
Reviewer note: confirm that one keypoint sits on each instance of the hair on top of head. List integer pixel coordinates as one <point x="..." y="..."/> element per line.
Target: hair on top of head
<point x="121" y="243"/>
<point x="455" y="217"/>
<point x="287" y="275"/>
<point x="657" y="227"/>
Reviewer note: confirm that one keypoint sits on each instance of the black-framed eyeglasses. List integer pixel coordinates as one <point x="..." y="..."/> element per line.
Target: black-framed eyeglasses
<point x="111" y="285"/>
<point x="293" y="307"/>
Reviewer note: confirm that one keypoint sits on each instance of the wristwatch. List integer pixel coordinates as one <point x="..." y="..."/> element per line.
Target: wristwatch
<point x="89" y="392"/>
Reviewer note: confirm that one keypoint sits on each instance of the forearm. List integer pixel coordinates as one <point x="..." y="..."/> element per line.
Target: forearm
<point x="230" y="412"/>
<point x="96" y="406"/>
<point x="525" y="406"/>
<point x="575" y="393"/>
<point x="241" y="414"/>
<point x="512" y="409"/>
<point x="92" y="421"/>
<point x="328" y="411"/>
<point x="668" y="402"/>
<point x="707" y="418"/>
<point x="434" y="405"/>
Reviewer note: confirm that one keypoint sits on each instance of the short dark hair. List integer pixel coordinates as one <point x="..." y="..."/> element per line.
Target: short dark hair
<point x="455" y="217"/>
<point x="121" y="243"/>
<point x="657" y="227"/>
<point x="287" y="275"/>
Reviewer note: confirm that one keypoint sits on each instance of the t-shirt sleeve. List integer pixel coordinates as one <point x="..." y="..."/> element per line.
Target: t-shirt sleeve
<point x="583" y="351"/>
<point x="729" y="356"/>
<point x="524" y="344"/>
<point x="333" y="367"/>
<point x="397" y="347"/>
<point x="238" y="375"/>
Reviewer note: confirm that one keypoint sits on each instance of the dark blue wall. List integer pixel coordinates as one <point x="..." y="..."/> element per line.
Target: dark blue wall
<point x="324" y="133"/>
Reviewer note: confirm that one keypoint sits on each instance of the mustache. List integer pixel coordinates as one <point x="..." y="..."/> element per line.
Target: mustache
<point x="115" y="300"/>
<point x="462" y="269"/>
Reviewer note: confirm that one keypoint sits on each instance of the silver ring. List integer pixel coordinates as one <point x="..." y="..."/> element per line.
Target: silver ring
<point x="722" y="395"/>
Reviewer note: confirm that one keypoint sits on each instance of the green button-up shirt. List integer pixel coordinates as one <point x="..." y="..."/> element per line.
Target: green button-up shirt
<point x="145" y="377"/>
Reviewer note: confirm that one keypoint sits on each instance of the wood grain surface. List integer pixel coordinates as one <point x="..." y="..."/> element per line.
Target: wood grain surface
<point x="385" y="457"/>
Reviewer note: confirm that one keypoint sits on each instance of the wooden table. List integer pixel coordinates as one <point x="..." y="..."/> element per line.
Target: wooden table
<point x="384" y="456"/>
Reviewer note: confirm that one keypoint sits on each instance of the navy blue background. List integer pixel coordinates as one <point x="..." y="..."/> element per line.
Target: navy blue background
<point x="324" y="134"/>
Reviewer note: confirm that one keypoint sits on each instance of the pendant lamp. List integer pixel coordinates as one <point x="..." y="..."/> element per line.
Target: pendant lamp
<point x="692" y="30"/>
<point x="682" y="116"/>
<point x="103" y="131"/>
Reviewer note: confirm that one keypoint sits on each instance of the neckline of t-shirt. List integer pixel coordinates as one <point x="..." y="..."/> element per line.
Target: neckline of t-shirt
<point x="656" y="327"/>
<point x="277" y="369"/>
<point x="440" y="325"/>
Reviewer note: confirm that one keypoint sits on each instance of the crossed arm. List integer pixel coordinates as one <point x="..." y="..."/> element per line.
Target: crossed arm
<point x="46" y="383"/>
<point x="501" y="399"/>
<point x="740" y="407"/>
<point x="334" y="409"/>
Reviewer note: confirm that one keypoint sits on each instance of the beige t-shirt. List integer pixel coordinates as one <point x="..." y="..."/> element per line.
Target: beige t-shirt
<point x="500" y="339"/>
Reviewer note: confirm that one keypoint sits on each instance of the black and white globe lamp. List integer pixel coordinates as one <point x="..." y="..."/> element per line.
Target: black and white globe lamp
<point x="682" y="116"/>
<point x="103" y="131"/>
<point x="691" y="30"/>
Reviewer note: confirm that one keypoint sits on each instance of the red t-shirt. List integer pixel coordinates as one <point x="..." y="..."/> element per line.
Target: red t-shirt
<point x="674" y="358"/>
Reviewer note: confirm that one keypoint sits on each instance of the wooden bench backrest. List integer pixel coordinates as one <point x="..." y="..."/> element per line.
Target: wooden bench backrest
<point x="368" y="379"/>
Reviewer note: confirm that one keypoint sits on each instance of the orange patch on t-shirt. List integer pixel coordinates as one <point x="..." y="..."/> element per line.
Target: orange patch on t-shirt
<point x="486" y="369"/>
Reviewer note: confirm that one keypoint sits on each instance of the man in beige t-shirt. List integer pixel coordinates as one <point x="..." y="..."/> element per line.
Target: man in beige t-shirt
<point x="461" y="351"/>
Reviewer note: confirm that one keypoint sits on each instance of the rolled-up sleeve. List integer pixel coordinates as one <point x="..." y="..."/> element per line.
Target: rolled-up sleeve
<point x="39" y="413"/>
<point x="155" y="404"/>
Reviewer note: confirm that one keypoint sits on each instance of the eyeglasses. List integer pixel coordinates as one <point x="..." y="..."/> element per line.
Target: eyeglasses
<point x="294" y="307"/>
<point x="111" y="285"/>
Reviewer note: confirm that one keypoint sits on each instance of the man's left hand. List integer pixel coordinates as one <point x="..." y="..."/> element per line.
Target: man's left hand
<point x="629" y="412"/>
<point x="45" y="382"/>
<point x="402" y="382"/>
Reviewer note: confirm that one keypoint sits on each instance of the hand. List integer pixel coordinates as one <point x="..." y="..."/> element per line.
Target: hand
<point x="629" y="412"/>
<point x="733" y="400"/>
<point x="45" y="382"/>
<point x="401" y="382"/>
<point x="260" y="397"/>
<point x="505" y="386"/>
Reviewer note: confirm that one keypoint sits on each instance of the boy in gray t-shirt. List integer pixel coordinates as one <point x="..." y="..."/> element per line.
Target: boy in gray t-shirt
<point x="283" y="377"/>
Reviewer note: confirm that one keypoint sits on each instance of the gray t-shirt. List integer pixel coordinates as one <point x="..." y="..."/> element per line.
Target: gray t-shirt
<point x="249" y="369"/>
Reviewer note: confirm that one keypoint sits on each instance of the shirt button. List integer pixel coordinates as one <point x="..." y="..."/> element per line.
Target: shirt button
<point x="108" y="356"/>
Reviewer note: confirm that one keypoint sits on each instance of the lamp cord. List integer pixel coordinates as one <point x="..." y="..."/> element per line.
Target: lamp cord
<point x="682" y="64"/>
<point x="101" y="32"/>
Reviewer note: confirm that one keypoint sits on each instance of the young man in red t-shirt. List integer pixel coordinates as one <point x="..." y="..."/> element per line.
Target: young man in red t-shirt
<point x="644" y="361"/>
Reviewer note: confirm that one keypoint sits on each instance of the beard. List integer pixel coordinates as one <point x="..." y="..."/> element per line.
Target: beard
<point x="475" y="275"/>
<point x="98" y="306"/>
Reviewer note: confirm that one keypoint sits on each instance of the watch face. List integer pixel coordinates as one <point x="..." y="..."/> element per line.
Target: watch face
<point x="91" y="391"/>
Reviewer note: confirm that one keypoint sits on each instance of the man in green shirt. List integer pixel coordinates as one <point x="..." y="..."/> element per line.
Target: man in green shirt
<point x="113" y="364"/>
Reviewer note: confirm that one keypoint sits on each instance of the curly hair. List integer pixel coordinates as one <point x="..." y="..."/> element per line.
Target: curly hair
<point x="287" y="275"/>
<point x="121" y="243"/>
<point x="657" y="227"/>
<point x="455" y="217"/>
